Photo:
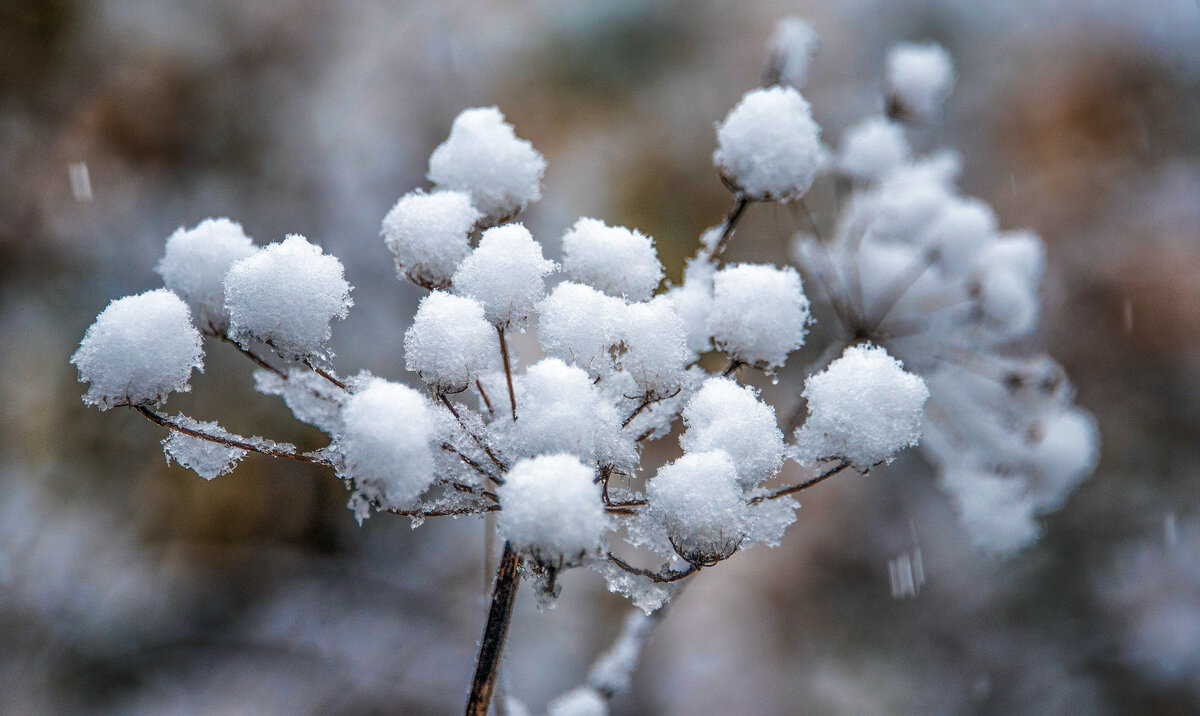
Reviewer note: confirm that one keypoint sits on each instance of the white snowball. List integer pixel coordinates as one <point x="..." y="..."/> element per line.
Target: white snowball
<point x="864" y="407"/>
<point x="619" y="261"/>
<point x="698" y="501"/>
<point x="560" y="409"/>
<point x="769" y="147"/>
<point x="140" y="349"/>
<point x="994" y="509"/>
<point x="792" y="47"/>
<point x="286" y="295"/>
<point x="919" y="77"/>
<point x="551" y="509"/>
<point x="194" y="267"/>
<point x="580" y="701"/>
<point x="1007" y="302"/>
<point x="962" y="230"/>
<point x="506" y="273"/>
<point x="1020" y="252"/>
<point x="388" y="442"/>
<point x="429" y="234"/>
<point x="656" y="352"/>
<point x="726" y="416"/>
<point x="873" y="148"/>
<point x="450" y="342"/>
<point x="1066" y="453"/>
<point x="580" y="325"/>
<point x="759" y="313"/>
<point x="484" y="158"/>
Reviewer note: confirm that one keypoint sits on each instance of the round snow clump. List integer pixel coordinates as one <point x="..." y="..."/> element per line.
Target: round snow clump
<point x="759" y="313"/>
<point x="450" y="342"/>
<point x="139" y="350"/>
<point x="430" y="235"/>
<point x="286" y="295"/>
<point x="194" y="267"/>
<point x="1020" y="252"/>
<point x="919" y="78"/>
<point x="580" y="325"/>
<point x="484" y="158"/>
<point x="792" y="47"/>
<point x="551" y="510"/>
<point x="506" y="273"/>
<point x="726" y="416"/>
<point x="769" y="147"/>
<point x="620" y="262"/>
<point x="994" y="509"/>
<point x="699" y="503"/>
<point x="656" y="352"/>
<point x="864" y="408"/>
<point x="561" y="410"/>
<point x="1007" y="302"/>
<point x="963" y="229"/>
<point x="1066" y="453"/>
<point x="388" y="442"/>
<point x="873" y="148"/>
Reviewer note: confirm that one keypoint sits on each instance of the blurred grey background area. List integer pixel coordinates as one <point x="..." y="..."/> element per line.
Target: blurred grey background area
<point x="128" y="586"/>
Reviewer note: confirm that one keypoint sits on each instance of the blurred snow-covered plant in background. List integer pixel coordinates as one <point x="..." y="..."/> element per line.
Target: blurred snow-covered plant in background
<point x="923" y="291"/>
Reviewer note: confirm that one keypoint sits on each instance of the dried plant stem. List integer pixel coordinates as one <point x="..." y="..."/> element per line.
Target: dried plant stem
<point x="504" y="594"/>
<point x="170" y="424"/>
<point x="478" y="440"/>
<point x="792" y="489"/>
<point x="486" y="400"/>
<point x="731" y="221"/>
<point x="258" y="360"/>
<point x="663" y="576"/>
<point x="326" y="375"/>
<point x="512" y="396"/>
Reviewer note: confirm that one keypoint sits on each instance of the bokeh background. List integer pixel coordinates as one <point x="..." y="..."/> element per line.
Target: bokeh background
<point x="129" y="586"/>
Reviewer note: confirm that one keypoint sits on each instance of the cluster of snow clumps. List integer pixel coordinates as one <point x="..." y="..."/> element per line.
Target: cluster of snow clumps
<point x="919" y="286"/>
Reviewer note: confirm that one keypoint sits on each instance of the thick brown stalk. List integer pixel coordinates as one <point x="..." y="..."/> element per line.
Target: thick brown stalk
<point x="504" y="595"/>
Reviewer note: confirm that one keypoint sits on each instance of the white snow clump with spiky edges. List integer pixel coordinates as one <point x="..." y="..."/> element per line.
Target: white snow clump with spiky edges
<point x="450" y="342"/>
<point x="484" y="157"/>
<point x="618" y="261"/>
<point x="551" y="509"/>
<point x="194" y="266"/>
<point x="863" y="408"/>
<point x="429" y="234"/>
<point x="286" y="295"/>
<point x="769" y="147"/>
<point x="139" y="350"/>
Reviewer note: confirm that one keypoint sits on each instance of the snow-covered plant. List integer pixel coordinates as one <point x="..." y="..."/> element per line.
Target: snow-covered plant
<point x="920" y="292"/>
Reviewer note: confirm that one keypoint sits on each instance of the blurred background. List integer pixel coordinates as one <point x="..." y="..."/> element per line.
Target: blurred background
<point x="133" y="587"/>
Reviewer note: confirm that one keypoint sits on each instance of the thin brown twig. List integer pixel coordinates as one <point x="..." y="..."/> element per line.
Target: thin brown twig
<point x="792" y="489"/>
<point x="478" y="440"/>
<point x="326" y="375"/>
<point x="258" y="360"/>
<point x="512" y="396"/>
<point x="170" y="424"/>
<point x="663" y="576"/>
<point x="740" y="202"/>
<point x="486" y="400"/>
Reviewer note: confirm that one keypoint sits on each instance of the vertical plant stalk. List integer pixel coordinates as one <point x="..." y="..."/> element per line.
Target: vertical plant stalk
<point x="504" y="595"/>
<point x="512" y="396"/>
